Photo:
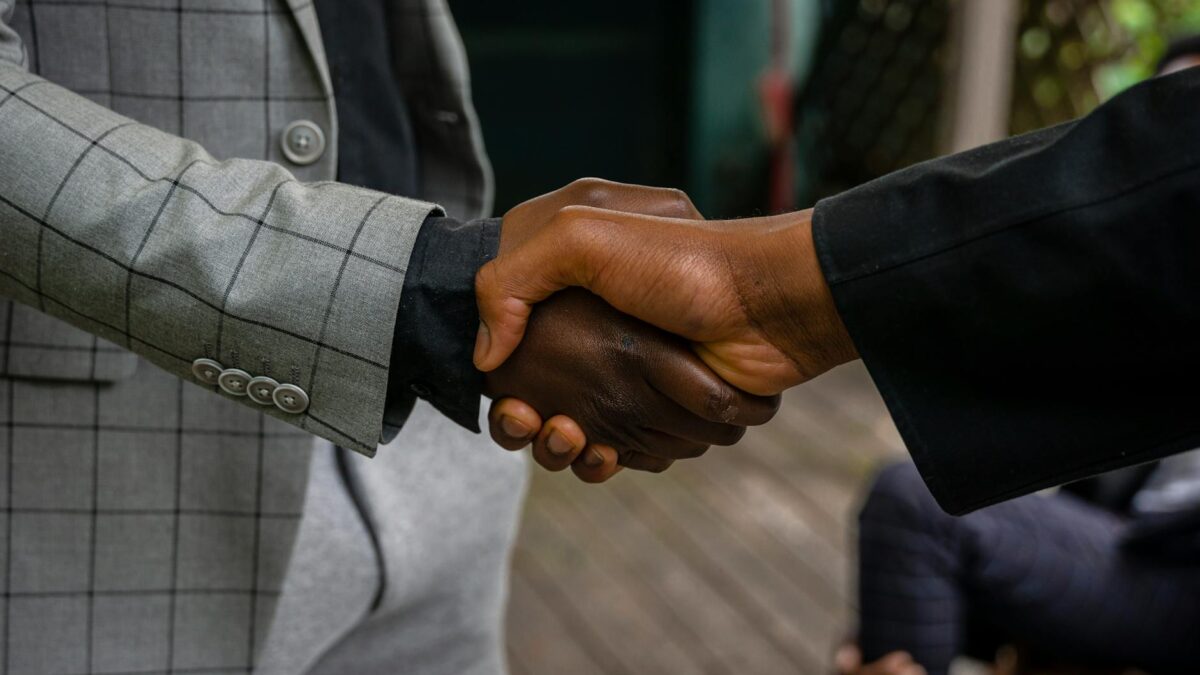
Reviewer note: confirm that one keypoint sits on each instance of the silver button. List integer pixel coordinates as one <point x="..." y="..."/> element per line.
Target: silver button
<point x="260" y="389"/>
<point x="207" y="370"/>
<point x="290" y="399"/>
<point x="233" y="381"/>
<point x="303" y="142"/>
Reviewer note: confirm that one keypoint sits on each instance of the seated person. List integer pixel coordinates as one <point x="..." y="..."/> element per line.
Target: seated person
<point x="1068" y="580"/>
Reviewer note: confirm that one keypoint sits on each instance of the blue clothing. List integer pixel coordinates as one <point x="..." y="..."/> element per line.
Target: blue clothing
<point x="1054" y="573"/>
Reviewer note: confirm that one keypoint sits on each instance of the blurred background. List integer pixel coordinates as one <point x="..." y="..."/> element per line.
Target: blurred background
<point x="741" y="562"/>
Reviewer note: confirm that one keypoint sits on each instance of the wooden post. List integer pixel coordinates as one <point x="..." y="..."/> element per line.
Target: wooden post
<point x="979" y="86"/>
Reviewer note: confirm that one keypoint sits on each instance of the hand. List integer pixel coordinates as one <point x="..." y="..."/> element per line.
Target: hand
<point x="514" y="423"/>
<point x="631" y="386"/>
<point x="849" y="661"/>
<point x="750" y="293"/>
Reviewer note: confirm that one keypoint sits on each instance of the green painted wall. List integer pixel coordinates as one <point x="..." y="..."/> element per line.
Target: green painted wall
<point x="662" y="92"/>
<point x="728" y="154"/>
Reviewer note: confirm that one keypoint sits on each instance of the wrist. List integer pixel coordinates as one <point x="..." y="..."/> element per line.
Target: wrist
<point x="793" y="304"/>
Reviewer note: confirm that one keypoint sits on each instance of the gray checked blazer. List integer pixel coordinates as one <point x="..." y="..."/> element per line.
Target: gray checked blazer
<point x="152" y="214"/>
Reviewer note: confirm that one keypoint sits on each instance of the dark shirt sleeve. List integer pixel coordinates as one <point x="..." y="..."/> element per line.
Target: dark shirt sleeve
<point x="1030" y="310"/>
<point x="437" y="322"/>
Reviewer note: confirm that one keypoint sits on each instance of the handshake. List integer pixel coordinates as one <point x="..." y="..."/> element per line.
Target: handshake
<point x="689" y="333"/>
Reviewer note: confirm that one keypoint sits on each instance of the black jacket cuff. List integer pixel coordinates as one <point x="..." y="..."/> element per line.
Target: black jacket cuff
<point x="1027" y="309"/>
<point x="437" y="323"/>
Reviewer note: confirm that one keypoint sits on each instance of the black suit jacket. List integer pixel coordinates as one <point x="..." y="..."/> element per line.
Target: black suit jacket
<point x="1030" y="310"/>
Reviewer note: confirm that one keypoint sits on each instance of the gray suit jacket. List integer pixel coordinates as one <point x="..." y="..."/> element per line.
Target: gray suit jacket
<point x="150" y="217"/>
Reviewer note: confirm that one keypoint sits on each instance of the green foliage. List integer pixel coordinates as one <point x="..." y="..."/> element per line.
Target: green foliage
<point x="1073" y="54"/>
<point x="1137" y="37"/>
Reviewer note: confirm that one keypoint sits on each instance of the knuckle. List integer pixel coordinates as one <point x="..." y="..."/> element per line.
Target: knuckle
<point x="720" y="405"/>
<point x="485" y="278"/>
<point x="681" y="196"/>
<point x="586" y="182"/>
<point x="681" y="202"/>
<point x="591" y="191"/>
<point x="567" y="218"/>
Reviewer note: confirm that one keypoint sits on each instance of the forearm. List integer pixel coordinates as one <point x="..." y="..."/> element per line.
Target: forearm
<point x="142" y="238"/>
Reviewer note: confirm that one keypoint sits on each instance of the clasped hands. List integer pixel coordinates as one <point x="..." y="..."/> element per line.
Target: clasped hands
<point x="686" y="334"/>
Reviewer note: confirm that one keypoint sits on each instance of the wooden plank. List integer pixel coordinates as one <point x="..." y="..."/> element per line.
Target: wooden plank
<point x="778" y="524"/>
<point x="537" y="642"/>
<point x="698" y="617"/>
<point x="865" y="435"/>
<point x="724" y="558"/>
<point x="849" y="391"/>
<point x="627" y="637"/>
<point x="736" y="562"/>
<point x="810" y="469"/>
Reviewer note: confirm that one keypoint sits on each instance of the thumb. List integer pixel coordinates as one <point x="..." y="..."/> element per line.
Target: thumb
<point x="567" y="252"/>
<point x="505" y="292"/>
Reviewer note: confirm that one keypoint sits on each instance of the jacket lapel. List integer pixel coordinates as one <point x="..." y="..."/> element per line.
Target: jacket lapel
<point x="305" y="14"/>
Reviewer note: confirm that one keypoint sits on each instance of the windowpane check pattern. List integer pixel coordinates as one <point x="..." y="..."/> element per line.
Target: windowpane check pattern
<point x="147" y="522"/>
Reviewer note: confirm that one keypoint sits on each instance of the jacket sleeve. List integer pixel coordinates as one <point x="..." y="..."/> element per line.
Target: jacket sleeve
<point x="1030" y="310"/>
<point x="143" y="239"/>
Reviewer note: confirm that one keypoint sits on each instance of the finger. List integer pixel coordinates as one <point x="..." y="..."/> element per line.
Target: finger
<point x="676" y="428"/>
<point x="513" y="423"/>
<point x="655" y="443"/>
<point x="642" y="462"/>
<point x="582" y="246"/>
<point x="896" y="662"/>
<point x="502" y="317"/>
<point x="596" y="464"/>
<point x="766" y="381"/>
<point x="559" y="443"/>
<point x="690" y="383"/>
<point x="848" y="659"/>
<point x="507" y="288"/>
<point x="630" y="198"/>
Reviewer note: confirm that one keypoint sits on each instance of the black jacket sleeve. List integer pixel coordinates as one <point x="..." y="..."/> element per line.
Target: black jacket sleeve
<point x="1030" y="310"/>
<point x="438" y="319"/>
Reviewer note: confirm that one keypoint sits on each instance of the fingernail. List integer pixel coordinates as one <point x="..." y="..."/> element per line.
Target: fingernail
<point x="514" y="427"/>
<point x="593" y="458"/>
<point x="483" y="343"/>
<point x="558" y="443"/>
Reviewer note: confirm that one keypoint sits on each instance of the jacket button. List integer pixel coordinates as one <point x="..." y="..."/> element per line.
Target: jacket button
<point x="290" y="399"/>
<point x="260" y="390"/>
<point x="303" y="142"/>
<point x="233" y="381"/>
<point x="207" y="370"/>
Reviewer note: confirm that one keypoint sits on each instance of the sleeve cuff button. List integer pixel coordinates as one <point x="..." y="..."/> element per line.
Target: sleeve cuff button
<point x="233" y="381"/>
<point x="290" y="399"/>
<point x="261" y="389"/>
<point x="207" y="371"/>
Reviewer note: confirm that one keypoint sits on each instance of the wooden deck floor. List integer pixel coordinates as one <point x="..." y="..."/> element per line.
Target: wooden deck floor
<point x="739" y="562"/>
